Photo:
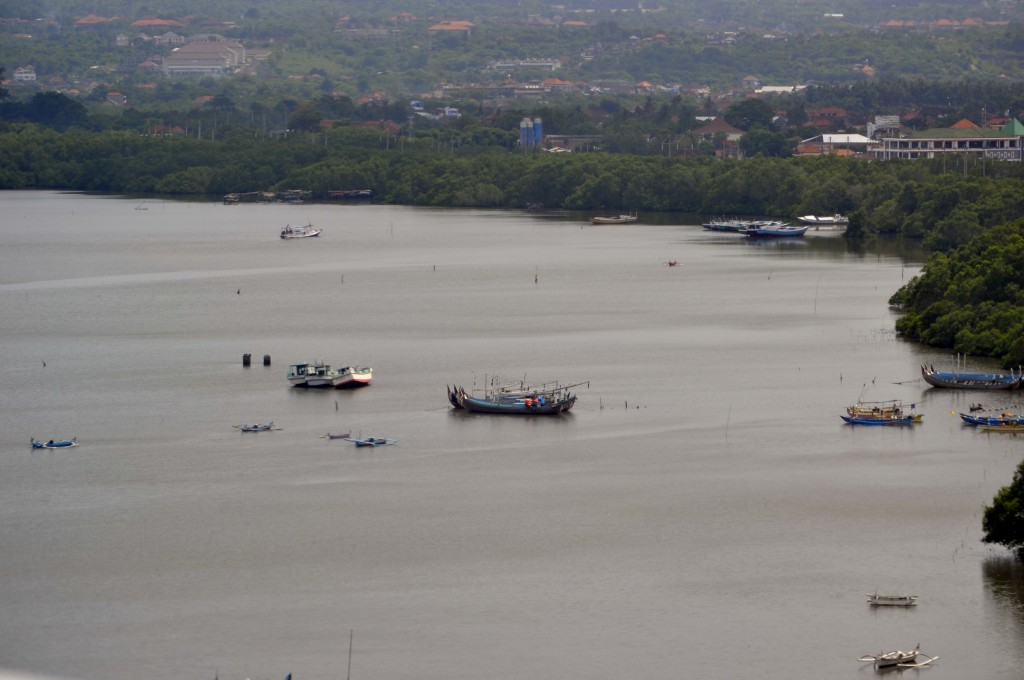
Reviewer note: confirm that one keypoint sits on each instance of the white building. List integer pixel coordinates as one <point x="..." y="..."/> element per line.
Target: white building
<point x="25" y="74"/>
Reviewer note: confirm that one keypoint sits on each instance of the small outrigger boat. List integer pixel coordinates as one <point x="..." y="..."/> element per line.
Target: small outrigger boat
<point x="898" y="659"/>
<point x="972" y="381"/>
<point x="258" y="427"/>
<point x="55" y="443"/>
<point x="892" y="600"/>
<point x="307" y="231"/>
<point x="372" y="441"/>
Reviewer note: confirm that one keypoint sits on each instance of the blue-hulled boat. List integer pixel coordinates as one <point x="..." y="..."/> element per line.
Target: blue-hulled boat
<point x="372" y="441"/>
<point x="1006" y="418"/>
<point x="55" y="443"/>
<point x="867" y="420"/>
<point x="972" y="381"/>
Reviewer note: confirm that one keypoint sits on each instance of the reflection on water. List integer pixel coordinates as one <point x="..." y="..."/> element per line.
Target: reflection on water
<point x="1004" y="578"/>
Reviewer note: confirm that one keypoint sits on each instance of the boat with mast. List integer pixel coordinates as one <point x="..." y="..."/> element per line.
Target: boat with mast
<point x="516" y="398"/>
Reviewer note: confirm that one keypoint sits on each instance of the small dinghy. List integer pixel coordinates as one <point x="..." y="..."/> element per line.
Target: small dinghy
<point x="55" y="443"/>
<point x="372" y="441"/>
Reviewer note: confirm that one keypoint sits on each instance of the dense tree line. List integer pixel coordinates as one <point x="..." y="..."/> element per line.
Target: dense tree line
<point x="971" y="298"/>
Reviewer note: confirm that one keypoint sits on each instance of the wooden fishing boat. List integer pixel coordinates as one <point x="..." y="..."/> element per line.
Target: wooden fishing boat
<point x="898" y="659"/>
<point x="1005" y="418"/>
<point x="509" y="399"/>
<point x="867" y="420"/>
<point x="55" y="443"/>
<point x="307" y="231"/>
<point x="539" y="405"/>
<point x="971" y="381"/>
<point x="1005" y="427"/>
<point x="882" y="410"/>
<point x="880" y="600"/>
<point x="346" y="435"/>
<point x="372" y="441"/>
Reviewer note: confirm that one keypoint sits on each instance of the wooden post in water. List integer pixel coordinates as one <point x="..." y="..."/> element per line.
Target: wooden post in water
<point x="266" y="359"/>
<point x="246" y="360"/>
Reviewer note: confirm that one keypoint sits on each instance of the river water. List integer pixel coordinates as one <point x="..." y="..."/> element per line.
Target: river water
<point x="702" y="513"/>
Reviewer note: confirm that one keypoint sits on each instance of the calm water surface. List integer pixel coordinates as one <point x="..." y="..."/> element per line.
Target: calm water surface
<point x="702" y="513"/>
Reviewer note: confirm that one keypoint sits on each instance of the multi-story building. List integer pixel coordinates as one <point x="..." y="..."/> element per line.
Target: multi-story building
<point x="1003" y="143"/>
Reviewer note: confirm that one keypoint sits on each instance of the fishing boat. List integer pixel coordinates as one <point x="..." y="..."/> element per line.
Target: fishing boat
<point x="862" y="420"/>
<point x="892" y="600"/>
<point x="539" y="400"/>
<point x="727" y="225"/>
<point x="826" y="220"/>
<point x="55" y="443"/>
<point x="774" y="231"/>
<point x="898" y="659"/>
<point x="307" y="231"/>
<point x="971" y="381"/>
<point x="322" y="375"/>
<point x="258" y="427"/>
<point x="1005" y="427"/>
<point x="882" y="413"/>
<point x="336" y="436"/>
<point x="372" y="441"/>
<point x="1005" y="418"/>
<point x="316" y="374"/>
<point x="613" y="219"/>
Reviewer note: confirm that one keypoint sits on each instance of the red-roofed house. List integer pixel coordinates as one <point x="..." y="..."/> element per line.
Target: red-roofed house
<point x="963" y="124"/>
<point x="453" y="25"/>
<point x="158" y="23"/>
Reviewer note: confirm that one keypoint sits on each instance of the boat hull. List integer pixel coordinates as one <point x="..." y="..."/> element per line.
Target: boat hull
<point x="863" y="420"/>
<point x="971" y="381"/>
<point x="512" y="406"/>
<point x="893" y="600"/>
<point x="775" y="232"/>
<point x="52" y="444"/>
<point x="350" y="377"/>
<point x="1006" y="420"/>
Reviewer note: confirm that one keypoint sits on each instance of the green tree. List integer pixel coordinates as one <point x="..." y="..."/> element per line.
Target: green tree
<point x="1003" y="521"/>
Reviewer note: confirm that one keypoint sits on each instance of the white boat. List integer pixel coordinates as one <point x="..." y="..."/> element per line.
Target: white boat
<point x="322" y="375"/>
<point x="613" y="219"/>
<point x="353" y="376"/>
<point x="826" y="220"/>
<point x="892" y="600"/>
<point x="307" y="231"/>
<point x="898" y="659"/>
